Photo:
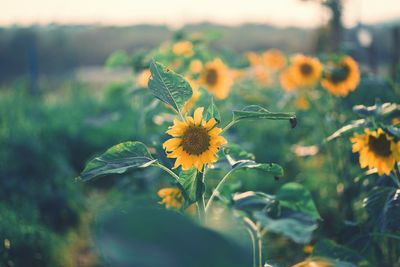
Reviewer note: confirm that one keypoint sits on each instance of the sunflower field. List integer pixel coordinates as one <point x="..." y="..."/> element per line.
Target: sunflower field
<point x="205" y="156"/>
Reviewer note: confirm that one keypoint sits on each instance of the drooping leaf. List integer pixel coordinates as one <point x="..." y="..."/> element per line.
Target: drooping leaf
<point x="347" y="129"/>
<point x="295" y="197"/>
<point x="234" y="153"/>
<point x="213" y="112"/>
<point x="297" y="226"/>
<point x="187" y="179"/>
<point x="383" y="207"/>
<point x="257" y="112"/>
<point x="118" y="159"/>
<point x="328" y="248"/>
<point x="143" y="235"/>
<point x="270" y="168"/>
<point x="253" y="201"/>
<point x="378" y="110"/>
<point x="169" y="86"/>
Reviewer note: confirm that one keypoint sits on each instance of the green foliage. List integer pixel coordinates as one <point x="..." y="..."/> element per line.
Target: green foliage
<point x="257" y="112"/>
<point x="212" y="112"/>
<point x="169" y="87"/>
<point x="295" y="197"/>
<point x="188" y="181"/>
<point x="118" y="159"/>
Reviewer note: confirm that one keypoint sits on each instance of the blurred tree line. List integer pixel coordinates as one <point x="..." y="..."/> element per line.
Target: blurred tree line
<point x="57" y="49"/>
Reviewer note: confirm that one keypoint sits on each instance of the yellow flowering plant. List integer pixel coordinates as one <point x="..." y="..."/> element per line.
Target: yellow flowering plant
<point x="198" y="144"/>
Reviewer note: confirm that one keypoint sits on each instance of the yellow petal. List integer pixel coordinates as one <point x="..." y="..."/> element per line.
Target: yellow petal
<point x="210" y="124"/>
<point x="198" y="115"/>
<point x="172" y="143"/>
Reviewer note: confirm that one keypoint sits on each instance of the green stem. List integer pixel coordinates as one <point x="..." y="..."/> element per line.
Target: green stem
<point x="229" y="125"/>
<point x="200" y="194"/>
<point x="216" y="190"/>
<point x="159" y="165"/>
<point x="254" y="245"/>
<point x="253" y="231"/>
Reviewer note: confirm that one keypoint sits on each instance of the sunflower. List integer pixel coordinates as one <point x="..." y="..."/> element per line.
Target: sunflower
<point x="195" y="141"/>
<point x="305" y="70"/>
<point x="143" y="78"/>
<point x="254" y="59"/>
<point x="302" y="102"/>
<point x="173" y="199"/>
<point x="287" y="81"/>
<point x="377" y="150"/>
<point x="184" y="48"/>
<point x="273" y="59"/>
<point x="195" y="66"/>
<point x="216" y="78"/>
<point x="195" y="95"/>
<point x="342" y="77"/>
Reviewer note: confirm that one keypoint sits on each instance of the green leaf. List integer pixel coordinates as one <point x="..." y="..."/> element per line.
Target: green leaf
<point x="234" y="153"/>
<point x="212" y="112"/>
<point x="295" y="197"/>
<point x="297" y="226"/>
<point x="328" y="248"/>
<point x="257" y="112"/>
<point x="118" y="159"/>
<point x="252" y="201"/>
<point x="169" y="86"/>
<point x="378" y="110"/>
<point x="117" y="59"/>
<point x="187" y="179"/>
<point x="270" y="168"/>
<point x="347" y="129"/>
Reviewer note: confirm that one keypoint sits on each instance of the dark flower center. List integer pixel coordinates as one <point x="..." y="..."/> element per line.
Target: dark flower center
<point x="195" y="140"/>
<point x="306" y="69"/>
<point x="380" y="145"/>
<point x="339" y="74"/>
<point x="211" y="77"/>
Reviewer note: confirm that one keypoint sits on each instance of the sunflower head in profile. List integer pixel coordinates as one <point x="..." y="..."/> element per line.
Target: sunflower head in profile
<point x="195" y="66"/>
<point x="377" y="149"/>
<point x="273" y="59"/>
<point x="195" y="141"/>
<point x="306" y="71"/>
<point x="216" y="78"/>
<point x="184" y="48"/>
<point x="341" y="77"/>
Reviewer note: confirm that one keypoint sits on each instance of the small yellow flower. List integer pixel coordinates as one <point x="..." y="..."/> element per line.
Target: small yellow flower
<point x="274" y="59"/>
<point x="195" y="141"/>
<point x="143" y="78"/>
<point x="302" y="103"/>
<point x="184" y="48"/>
<point x="172" y="198"/>
<point x="377" y="150"/>
<point x="396" y="121"/>
<point x="308" y="249"/>
<point x="306" y="71"/>
<point x="195" y="66"/>
<point x="216" y="78"/>
<point x="341" y="78"/>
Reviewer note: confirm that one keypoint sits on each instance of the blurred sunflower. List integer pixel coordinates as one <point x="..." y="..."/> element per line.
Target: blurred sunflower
<point x="195" y="141"/>
<point x="341" y="78"/>
<point x="314" y="263"/>
<point x="173" y="199"/>
<point x="195" y="66"/>
<point x="216" y="78"/>
<point x="306" y="71"/>
<point x="377" y="150"/>
<point x="143" y="78"/>
<point x="287" y="81"/>
<point x="195" y="95"/>
<point x="274" y="59"/>
<point x="254" y="59"/>
<point x="302" y="102"/>
<point x="184" y="48"/>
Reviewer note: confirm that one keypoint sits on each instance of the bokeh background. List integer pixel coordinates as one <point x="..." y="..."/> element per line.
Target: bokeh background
<point x="60" y="105"/>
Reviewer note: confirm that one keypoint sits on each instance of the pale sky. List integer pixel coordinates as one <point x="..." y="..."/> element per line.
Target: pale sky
<point x="175" y="13"/>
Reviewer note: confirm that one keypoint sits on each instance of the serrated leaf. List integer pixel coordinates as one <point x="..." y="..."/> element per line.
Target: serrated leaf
<point x="295" y="225"/>
<point x="251" y="201"/>
<point x="118" y="159"/>
<point x="234" y="153"/>
<point x="270" y="168"/>
<point x="257" y="112"/>
<point x="187" y="179"/>
<point x="295" y="197"/>
<point x="347" y="129"/>
<point x="213" y="112"/>
<point x="168" y="86"/>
